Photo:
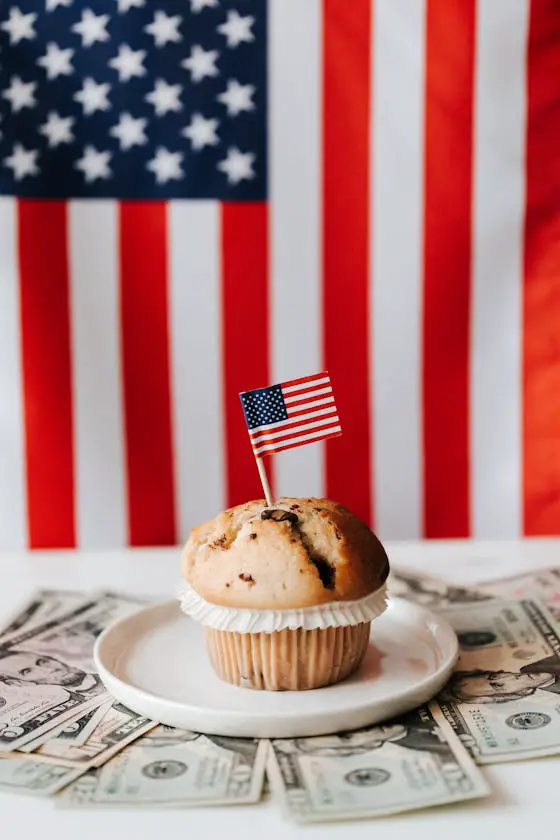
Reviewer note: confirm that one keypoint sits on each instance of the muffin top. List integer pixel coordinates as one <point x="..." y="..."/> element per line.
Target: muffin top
<point x="299" y="553"/>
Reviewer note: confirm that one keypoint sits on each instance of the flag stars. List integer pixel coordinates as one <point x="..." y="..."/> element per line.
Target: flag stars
<point x="165" y="97"/>
<point x="166" y="166"/>
<point x="237" y="98"/>
<point x="237" y="165"/>
<point x="201" y="132"/>
<point x="201" y="63"/>
<point x="22" y="162"/>
<point x="20" y="94"/>
<point x="92" y="28"/>
<point x="54" y="4"/>
<point x="93" y="97"/>
<point x="237" y="29"/>
<point x="94" y="164"/>
<point x="130" y="132"/>
<point x="128" y="63"/>
<point x="164" y="29"/>
<point x="19" y="26"/>
<point x="127" y="5"/>
<point x="199" y="5"/>
<point x="56" y="62"/>
<point x="57" y="129"/>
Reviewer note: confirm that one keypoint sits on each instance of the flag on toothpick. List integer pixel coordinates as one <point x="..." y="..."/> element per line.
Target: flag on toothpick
<point x="291" y="414"/>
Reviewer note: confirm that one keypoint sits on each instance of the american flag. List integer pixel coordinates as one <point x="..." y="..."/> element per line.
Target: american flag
<point x="201" y="196"/>
<point x="291" y="414"/>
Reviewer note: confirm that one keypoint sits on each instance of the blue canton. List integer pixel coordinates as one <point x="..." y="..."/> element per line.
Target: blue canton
<point x="264" y="406"/>
<point x="132" y="99"/>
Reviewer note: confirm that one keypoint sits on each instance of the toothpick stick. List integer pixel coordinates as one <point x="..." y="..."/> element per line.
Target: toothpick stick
<point x="264" y="482"/>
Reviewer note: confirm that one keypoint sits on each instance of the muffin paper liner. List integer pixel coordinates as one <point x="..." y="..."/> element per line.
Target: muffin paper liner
<point x="232" y="619"/>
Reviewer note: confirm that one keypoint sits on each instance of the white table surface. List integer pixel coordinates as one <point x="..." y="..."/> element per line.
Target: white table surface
<point x="524" y="793"/>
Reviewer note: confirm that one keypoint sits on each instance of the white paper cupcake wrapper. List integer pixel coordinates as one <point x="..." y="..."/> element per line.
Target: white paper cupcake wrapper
<point x="333" y="614"/>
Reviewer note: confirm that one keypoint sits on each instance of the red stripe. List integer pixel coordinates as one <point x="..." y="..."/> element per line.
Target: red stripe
<point x="325" y="388"/>
<point x="450" y="52"/>
<point x="311" y="422"/>
<point x="293" y="435"/>
<point x="328" y="407"/>
<point x="306" y="426"/>
<point x="245" y="327"/>
<point x="145" y="351"/>
<point x="541" y="311"/>
<point x="303" y="443"/>
<point x="314" y="402"/>
<point x="47" y="378"/>
<point x="346" y="188"/>
<point x="293" y="382"/>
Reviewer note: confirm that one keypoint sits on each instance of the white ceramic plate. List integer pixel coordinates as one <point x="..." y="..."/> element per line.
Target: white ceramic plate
<point x="155" y="662"/>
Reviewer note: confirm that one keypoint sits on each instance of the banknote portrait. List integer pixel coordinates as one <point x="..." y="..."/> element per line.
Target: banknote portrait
<point x="479" y="686"/>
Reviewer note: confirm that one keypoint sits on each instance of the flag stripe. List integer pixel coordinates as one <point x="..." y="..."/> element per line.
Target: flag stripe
<point x="13" y="519"/>
<point x="244" y="238"/>
<point x="301" y="441"/>
<point x="295" y="166"/>
<point x="346" y="132"/>
<point x="541" y="305"/>
<point x="296" y="398"/>
<point x="145" y="353"/>
<point x="294" y="427"/>
<point x="196" y="360"/>
<point x="305" y="386"/>
<point x="96" y="373"/>
<point x="450" y="42"/>
<point x="495" y="380"/>
<point x="396" y="282"/>
<point x="300" y="415"/>
<point x="47" y="386"/>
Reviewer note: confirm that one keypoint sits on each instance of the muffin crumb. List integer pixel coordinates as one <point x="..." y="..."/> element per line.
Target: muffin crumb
<point x="247" y="578"/>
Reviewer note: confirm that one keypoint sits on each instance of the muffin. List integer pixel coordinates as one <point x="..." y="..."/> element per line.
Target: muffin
<point x="286" y="594"/>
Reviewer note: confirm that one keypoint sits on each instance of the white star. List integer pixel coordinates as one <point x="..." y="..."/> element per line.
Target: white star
<point x="166" y="165"/>
<point x="22" y="162"/>
<point x="201" y="63"/>
<point x="237" y="98"/>
<point x="129" y="131"/>
<point x="237" y="165"/>
<point x="94" y="164"/>
<point x="56" y="61"/>
<point x="126" y="5"/>
<point x="237" y="29"/>
<point x="165" y="97"/>
<point x="20" y="94"/>
<point x="19" y="27"/>
<point x="198" y="5"/>
<point x="129" y="63"/>
<point x="92" y="28"/>
<point x="57" y="129"/>
<point x="201" y="132"/>
<point x="93" y="97"/>
<point x="52" y="4"/>
<point x="164" y="28"/>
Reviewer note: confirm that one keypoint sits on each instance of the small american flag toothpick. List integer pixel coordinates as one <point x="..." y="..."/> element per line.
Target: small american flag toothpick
<point x="290" y="414"/>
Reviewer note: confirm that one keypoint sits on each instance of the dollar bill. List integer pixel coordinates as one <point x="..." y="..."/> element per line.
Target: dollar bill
<point x="18" y="775"/>
<point x="503" y="701"/>
<point x="412" y="762"/>
<point x="118" y="727"/>
<point x="543" y="584"/>
<point x="175" y="768"/>
<point x="42" y="606"/>
<point x="74" y="731"/>
<point x="47" y="675"/>
<point x="432" y="592"/>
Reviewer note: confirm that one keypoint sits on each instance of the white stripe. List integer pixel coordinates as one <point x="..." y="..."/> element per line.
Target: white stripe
<point x="396" y="185"/>
<point x="13" y="528"/>
<point x="496" y="381"/>
<point x="305" y="406"/>
<point x="96" y="374"/>
<point x="309" y="396"/>
<point x="255" y="439"/>
<point x="293" y="441"/>
<point x="311" y="384"/>
<point x="295" y="176"/>
<point x="299" y="417"/>
<point x="196" y="360"/>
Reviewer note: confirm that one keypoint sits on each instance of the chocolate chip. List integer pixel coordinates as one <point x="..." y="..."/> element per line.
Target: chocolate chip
<point x="280" y="516"/>
<point x="228" y="585"/>
<point x="337" y="534"/>
<point x="325" y="569"/>
<point x="220" y="542"/>
<point x="252" y="536"/>
<point x="319" y="510"/>
<point x="294" y="507"/>
<point x="247" y="578"/>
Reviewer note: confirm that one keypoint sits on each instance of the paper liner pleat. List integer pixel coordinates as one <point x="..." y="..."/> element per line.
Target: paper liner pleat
<point x="287" y="660"/>
<point x="331" y="614"/>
